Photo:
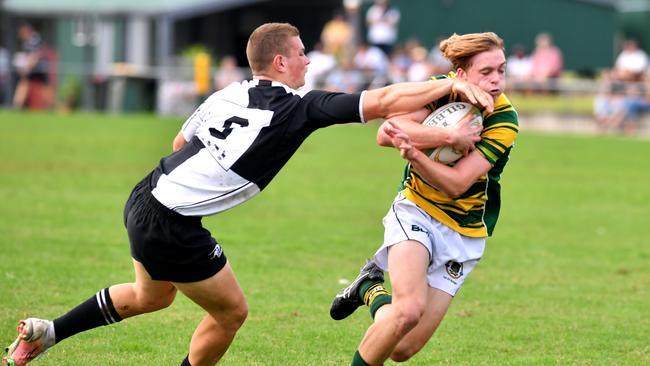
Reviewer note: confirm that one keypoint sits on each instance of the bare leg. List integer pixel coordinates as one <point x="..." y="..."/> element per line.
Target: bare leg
<point x="437" y="304"/>
<point x="407" y="263"/>
<point x="223" y="299"/>
<point x="143" y="296"/>
<point x="20" y="94"/>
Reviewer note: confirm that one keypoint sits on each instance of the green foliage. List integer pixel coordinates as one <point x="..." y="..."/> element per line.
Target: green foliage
<point x="564" y="280"/>
<point x="192" y="51"/>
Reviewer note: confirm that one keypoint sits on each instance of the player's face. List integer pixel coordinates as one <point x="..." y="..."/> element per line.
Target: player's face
<point x="297" y="63"/>
<point x="488" y="71"/>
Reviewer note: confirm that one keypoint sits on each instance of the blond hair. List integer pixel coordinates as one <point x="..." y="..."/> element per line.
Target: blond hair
<point x="267" y="41"/>
<point x="459" y="49"/>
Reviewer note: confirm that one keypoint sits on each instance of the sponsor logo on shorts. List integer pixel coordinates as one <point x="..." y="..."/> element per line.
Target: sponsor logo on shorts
<point x="454" y="269"/>
<point x="417" y="228"/>
<point x="216" y="252"/>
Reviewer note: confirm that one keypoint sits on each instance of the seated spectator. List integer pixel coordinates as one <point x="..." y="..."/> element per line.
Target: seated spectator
<point x="631" y="63"/>
<point x="400" y="61"/>
<point x="439" y="63"/>
<point x="373" y="62"/>
<point x="609" y="105"/>
<point x="345" y="78"/>
<point x="623" y="107"/>
<point x="420" y="69"/>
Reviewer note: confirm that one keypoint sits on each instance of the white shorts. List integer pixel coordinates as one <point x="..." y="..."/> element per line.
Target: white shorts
<point x="452" y="256"/>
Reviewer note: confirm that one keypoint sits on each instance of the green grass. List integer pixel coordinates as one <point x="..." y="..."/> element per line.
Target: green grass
<point x="564" y="281"/>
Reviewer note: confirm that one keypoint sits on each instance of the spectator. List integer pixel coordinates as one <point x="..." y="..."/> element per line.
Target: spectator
<point x="5" y="70"/>
<point x="383" y="20"/>
<point x="609" y="105"/>
<point x="373" y="62"/>
<point x="546" y="60"/>
<point x="320" y="64"/>
<point x="439" y="63"/>
<point x="621" y="104"/>
<point x="519" y="66"/>
<point x="400" y="61"/>
<point x="345" y="78"/>
<point x="420" y="69"/>
<point x="227" y="73"/>
<point x="35" y="65"/>
<point x="337" y="36"/>
<point x="631" y="63"/>
<point x="636" y="103"/>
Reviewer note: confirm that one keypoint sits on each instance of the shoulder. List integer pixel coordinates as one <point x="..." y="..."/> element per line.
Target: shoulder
<point x="503" y="121"/>
<point x="503" y="109"/>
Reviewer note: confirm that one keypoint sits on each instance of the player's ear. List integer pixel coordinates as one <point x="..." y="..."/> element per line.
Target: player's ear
<point x="461" y="74"/>
<point x="279" y="63"/>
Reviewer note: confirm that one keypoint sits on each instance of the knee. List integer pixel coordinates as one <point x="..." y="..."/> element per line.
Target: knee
<point x="407" y="316"/>
<point x="235" y="317"/>
<point x="149" y="304"/>
<point x="403" y="353"/>
<point x="240" y="314"/>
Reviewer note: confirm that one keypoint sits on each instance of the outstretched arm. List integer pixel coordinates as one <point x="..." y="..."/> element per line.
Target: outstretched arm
<point x="406" y="97"/>
<point x="451" y="181"/>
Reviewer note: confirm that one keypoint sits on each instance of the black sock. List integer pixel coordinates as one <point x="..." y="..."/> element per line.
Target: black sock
<point x="92" y="313"/>
<point x="186" y="361"/>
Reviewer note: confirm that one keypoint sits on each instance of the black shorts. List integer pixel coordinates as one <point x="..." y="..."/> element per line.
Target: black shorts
<point x="172" y="247"/>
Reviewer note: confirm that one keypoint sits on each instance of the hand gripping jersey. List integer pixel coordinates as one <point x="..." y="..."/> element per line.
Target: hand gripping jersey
<point x="475" y="212"/>
<point x="239" y="139"/>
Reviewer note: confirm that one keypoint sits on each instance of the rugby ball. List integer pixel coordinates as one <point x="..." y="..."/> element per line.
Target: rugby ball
<point x="448" y="116"/>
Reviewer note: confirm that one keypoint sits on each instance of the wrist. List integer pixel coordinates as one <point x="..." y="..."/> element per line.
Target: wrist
<point x="451" y="136"/>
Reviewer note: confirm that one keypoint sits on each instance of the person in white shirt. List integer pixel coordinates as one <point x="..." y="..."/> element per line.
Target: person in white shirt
<point x="631" y="63"/>
<point x="383" y="21"/>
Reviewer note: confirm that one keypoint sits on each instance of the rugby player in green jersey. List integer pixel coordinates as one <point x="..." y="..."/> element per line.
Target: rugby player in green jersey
<point x="435" y="229"/>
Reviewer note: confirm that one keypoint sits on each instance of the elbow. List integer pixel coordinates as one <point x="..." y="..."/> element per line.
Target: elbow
<point x="178" y="142"/>
<point x="454" y="189"/>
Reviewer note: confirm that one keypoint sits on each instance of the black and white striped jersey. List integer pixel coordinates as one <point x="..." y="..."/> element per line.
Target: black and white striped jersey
<point x="239" y="139"/>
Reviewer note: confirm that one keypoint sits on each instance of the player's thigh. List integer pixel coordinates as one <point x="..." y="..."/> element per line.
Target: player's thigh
<point x="407" y="266"/>
<point x="149" y="290"/>
<point x="219" y="294"/>
<point x="438" y="302"/>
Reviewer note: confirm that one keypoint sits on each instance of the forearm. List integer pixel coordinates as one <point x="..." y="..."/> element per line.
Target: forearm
<point x="452" y="181"/>
<point x="442" y="177"/>
<point x="404" y="97"/>
<point x="421" y="137"/>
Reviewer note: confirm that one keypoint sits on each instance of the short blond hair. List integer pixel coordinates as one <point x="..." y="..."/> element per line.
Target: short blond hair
<point x="459" y="49"/>
<point x="266" y="41"/>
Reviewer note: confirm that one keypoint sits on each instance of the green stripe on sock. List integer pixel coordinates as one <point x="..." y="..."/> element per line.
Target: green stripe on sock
<point x="380" y="301"/>
<point x="365" y="285"/>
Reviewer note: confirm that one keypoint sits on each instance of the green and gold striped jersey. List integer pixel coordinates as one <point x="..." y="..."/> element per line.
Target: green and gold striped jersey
<point x="475" y="212"/>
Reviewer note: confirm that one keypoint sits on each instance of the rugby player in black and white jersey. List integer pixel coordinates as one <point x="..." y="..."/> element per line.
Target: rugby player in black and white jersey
<point x="227" y="151"/>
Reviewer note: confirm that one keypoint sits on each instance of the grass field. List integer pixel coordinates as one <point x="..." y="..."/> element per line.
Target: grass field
<point x="565" y="280"/>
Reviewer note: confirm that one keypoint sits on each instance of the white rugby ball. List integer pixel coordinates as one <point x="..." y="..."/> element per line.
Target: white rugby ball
<point x="448" y="116"/>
